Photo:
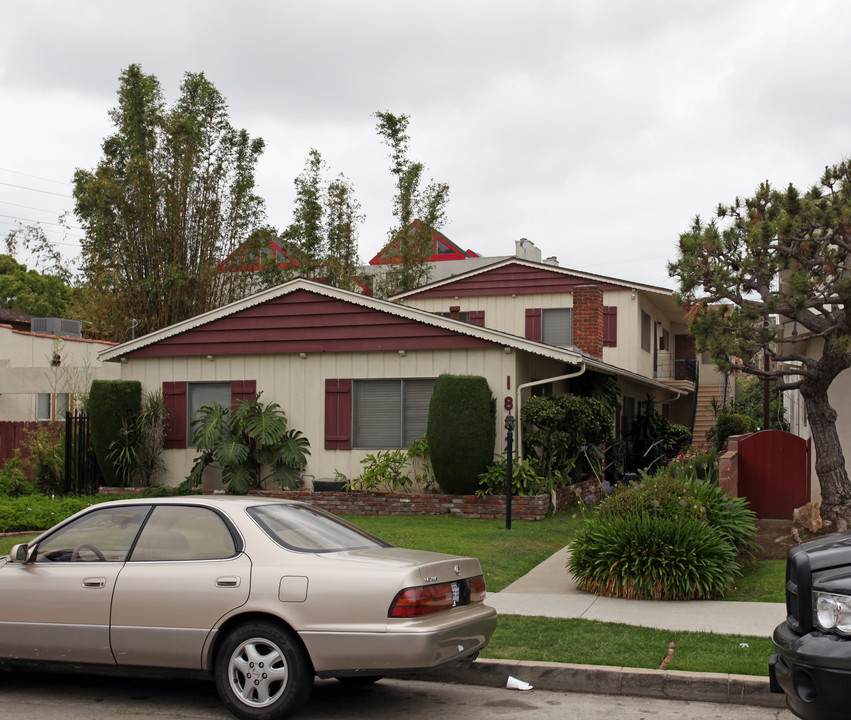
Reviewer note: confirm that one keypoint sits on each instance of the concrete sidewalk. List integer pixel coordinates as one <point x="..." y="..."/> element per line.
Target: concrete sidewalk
<point x="549" y="590"/>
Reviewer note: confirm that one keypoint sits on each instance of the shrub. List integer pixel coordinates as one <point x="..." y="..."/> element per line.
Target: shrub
<point x="647" y="556"/>
<point x="250" y="444"/>
<point x="44" y="451"/>
<point x="13" y="481"/>
<point x="727" y="424"/>
<point x="136" y="453"/>
<point x="461" y="432"/>
<point x="525" y="478"/>
<point x="382" y="470"/>
<point x="707" y="514"/>
<point x="567" y="432"/>
<point x="114" y="405"/>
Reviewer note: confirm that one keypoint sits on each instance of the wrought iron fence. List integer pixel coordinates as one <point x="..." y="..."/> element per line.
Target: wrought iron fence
<point x="82" y="472"/>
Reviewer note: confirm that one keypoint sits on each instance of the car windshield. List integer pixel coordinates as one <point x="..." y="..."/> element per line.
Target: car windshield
<point x="306" y="529"/>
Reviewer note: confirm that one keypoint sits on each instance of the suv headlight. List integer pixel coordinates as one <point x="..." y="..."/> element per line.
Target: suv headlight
<point x="833" y="612"/>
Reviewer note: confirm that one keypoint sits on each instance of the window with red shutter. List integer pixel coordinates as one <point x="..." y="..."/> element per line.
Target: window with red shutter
<point x="338" y="414"/>
<point x="610" y="326"/>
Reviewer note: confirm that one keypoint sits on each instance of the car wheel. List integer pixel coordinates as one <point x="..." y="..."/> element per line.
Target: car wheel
<point x="262" y="672"/>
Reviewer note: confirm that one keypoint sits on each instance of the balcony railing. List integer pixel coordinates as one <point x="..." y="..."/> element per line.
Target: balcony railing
<point x="670" y="368"/>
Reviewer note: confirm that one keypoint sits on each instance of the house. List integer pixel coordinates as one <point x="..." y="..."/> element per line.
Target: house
<point x="352" y="372"/>
<point x="45" y="365"/>
<point x="637" y="328"/>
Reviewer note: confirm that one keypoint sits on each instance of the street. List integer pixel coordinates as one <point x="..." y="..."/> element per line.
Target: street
<point x="42" y="696"/>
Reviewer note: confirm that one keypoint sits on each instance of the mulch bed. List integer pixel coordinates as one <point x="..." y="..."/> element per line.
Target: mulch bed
<point x="775" y="537"/>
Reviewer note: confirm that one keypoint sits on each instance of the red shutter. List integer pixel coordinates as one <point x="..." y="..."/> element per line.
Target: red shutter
<point x="610" y="326"/>
<point x="477" y="317"/>
<point x="533" y="324"/>
<point x="174" y="399"/>
<point x="242" y="390"/>
<point x="338" y="414"/>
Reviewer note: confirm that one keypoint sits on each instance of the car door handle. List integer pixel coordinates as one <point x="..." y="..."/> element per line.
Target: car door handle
<point x="227" y="582"/>
<point x="94" y="582"/>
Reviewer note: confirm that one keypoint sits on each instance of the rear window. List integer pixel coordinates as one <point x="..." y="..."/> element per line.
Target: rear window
<point x="307" y="529"/>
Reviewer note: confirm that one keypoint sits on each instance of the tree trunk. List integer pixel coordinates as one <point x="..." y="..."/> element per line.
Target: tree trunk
<point x="830" y="461"/>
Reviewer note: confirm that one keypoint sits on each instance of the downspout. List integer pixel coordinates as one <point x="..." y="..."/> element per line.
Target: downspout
<point x="519" y="436"/>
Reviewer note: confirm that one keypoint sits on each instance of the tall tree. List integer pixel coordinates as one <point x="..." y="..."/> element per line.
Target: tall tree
<point x="323" y="235"/>
<point x="419" y="211"/>
<point x="172" y="196"/>
<point x="785" y="253"/>
<point x="31" y="292"/>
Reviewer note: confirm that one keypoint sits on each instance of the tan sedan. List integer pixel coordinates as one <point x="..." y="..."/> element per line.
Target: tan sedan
<point x="262" y="595"/>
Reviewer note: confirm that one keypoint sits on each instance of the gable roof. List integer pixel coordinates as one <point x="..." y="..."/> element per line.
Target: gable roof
<point x="514" y="276"/>
<point x="442" y="249"/>
<point x="306" y="316"/>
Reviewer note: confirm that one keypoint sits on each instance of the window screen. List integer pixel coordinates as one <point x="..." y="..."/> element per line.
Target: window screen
<point x="557" y="326"/>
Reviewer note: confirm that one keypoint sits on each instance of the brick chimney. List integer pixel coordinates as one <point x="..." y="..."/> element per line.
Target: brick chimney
<point x="588" y="319"/>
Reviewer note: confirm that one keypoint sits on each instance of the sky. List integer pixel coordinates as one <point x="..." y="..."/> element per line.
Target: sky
<point x="597" y="129"/>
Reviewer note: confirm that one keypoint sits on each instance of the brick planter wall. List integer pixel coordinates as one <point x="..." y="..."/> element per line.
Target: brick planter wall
<point x="533" y="507"/>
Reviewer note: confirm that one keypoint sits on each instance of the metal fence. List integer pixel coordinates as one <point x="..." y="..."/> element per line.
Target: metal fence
<point x="82" y="472"/>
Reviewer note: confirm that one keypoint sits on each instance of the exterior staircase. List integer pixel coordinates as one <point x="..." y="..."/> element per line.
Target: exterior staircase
<point x="704" y="419"/>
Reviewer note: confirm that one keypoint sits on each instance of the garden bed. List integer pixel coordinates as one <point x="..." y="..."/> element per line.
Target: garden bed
<point x="527" y="507"/>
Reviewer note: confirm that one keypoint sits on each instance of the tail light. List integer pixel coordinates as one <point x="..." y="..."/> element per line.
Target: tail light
<point x="430" y="599"/>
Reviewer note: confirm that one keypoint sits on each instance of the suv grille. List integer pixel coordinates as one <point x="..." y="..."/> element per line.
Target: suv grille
<point x="799" y="591"/>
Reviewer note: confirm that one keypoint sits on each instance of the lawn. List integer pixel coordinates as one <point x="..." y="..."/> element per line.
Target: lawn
<point x="589" y="642"/>
<point x="505" y="555"/>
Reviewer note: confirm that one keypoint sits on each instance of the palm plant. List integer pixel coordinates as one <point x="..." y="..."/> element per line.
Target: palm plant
<point x="250" y="443"/>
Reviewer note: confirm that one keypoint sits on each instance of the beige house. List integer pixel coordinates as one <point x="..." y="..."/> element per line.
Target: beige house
<point x="637" y="328"/>
<point x="352" y="372"/>
<point x="43" y="374"/>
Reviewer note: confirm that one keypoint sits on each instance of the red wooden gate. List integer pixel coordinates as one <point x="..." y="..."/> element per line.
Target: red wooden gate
<point x="774" y="472"/>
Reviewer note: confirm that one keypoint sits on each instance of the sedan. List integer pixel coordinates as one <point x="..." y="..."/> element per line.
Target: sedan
<point x="260" y="595"/>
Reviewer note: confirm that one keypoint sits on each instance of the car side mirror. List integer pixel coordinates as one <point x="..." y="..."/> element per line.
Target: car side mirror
<point x="21" y="553"/>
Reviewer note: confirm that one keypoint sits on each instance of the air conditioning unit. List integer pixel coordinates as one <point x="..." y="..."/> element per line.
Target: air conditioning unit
<point x="57" y="326"/>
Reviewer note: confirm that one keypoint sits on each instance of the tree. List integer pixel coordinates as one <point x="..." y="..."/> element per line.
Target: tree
<point x="461" y="431"/>
<point x="172" y="196"/>
<point x="323" y="234"/>
<point x="32" y="293"/>
<point x="780" y="253"/>
<point x="419" y="211"/>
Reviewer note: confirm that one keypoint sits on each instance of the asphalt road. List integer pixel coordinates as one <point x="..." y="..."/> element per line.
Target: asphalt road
<point x="41" y="696"/>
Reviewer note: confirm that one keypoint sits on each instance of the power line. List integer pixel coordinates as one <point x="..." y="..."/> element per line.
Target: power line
<point x="35" y="177"/>
<point x="40" y="222"/>
<point x="27" y="207"/>
<point x="46" y="192"/>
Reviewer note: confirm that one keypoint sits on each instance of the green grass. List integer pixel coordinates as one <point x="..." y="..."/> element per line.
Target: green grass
<point x="588" y="642"/>
<point x="505" y="555"/>
<point x="761" y="581"/>
<point x="7" y="542"/>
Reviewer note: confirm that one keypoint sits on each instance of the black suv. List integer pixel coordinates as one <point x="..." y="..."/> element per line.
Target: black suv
<point x="812" y="664"/>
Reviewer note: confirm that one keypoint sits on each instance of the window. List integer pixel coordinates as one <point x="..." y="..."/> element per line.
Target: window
<point x="103" y="535"/>
<point x="557" y="326"/>
<point x="202" y="394"/>
<point x="645" y="331"/>
<point x="665" y="340"/>
<point x="307" y="529"/>
<point x="178" y="532"/>
<point x="52" y="406"/>
<point x="182" y="401"/>
<point x="389" y="413"/>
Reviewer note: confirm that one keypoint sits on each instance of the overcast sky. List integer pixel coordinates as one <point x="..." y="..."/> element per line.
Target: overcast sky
<point x="597" y="129"/>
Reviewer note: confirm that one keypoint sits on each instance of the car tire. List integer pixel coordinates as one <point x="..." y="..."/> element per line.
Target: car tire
<point x="262" y="672"/>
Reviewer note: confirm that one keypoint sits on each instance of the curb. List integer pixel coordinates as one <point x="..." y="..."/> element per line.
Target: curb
<point x="605" y="680"/>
